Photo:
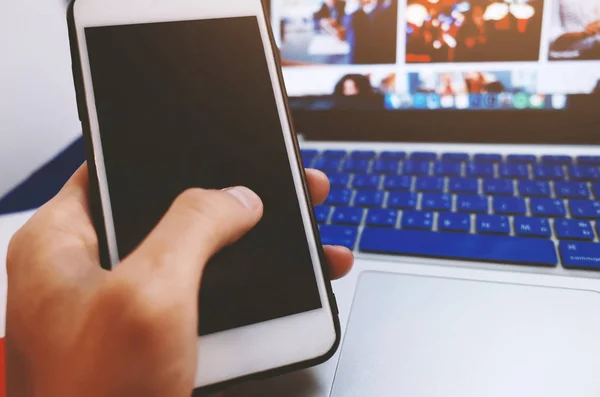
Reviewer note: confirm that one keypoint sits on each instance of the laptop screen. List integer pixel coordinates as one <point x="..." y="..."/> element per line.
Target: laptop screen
<point x="438" y="54"/>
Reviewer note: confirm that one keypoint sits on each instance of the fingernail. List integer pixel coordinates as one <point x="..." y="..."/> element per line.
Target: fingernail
<point x="247" y="197"/>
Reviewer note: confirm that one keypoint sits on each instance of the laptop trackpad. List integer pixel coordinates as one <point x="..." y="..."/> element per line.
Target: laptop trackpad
<point x="414" y="336"/>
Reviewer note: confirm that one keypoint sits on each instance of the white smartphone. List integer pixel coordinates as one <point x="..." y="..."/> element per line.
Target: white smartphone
<point x="174" y="94"/>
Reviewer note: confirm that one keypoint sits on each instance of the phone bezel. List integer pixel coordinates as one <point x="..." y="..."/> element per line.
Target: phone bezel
<point x="300" y="340"/>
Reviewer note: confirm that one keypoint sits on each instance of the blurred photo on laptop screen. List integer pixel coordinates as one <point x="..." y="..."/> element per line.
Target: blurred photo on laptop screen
<point x="345" y="87"/>
<point x="337" y="32"/>
<point x="575" y="30"/>
<point x="473" y="82"/>
<point x="473" y="30"/>
<point x="488" y="90"/>
<point x="364" y="85"/>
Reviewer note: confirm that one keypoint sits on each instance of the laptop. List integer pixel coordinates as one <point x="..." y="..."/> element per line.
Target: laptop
<point x="461" y="142"/>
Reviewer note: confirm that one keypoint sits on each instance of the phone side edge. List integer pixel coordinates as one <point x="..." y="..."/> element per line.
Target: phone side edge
<point x="82" y="110"/>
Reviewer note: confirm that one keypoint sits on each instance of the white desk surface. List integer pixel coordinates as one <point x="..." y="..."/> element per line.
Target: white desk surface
<point x="39" y="113"/>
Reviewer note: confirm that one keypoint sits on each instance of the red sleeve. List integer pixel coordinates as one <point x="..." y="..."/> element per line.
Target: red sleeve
<point x="2" y="370"/>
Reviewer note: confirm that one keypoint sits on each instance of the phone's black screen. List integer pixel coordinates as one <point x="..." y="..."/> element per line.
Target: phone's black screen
<point x="191" y="104"/>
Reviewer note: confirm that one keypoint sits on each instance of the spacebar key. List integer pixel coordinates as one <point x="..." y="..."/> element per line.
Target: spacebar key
<point x="476" y="247"/>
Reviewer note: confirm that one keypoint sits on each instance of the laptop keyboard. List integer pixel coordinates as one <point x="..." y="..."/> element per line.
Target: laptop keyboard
<point x="516" y="209"/>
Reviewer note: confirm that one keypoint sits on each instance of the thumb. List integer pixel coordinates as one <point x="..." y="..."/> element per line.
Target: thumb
<point x="199" y="224"/>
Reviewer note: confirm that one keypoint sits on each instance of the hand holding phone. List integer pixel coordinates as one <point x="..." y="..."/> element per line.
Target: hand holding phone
<point x="180" y="94"/>
<point x="74" y="329"/>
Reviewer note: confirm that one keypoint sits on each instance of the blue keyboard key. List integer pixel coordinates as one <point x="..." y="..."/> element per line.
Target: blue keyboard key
<point x="308" y="157"/>
<point x="356" y="165"/>
<point x="510" y="205"/>
<point x="363" y="154"/>
<point x="328" y="164"/>
<point x="549" y="172"/>
<point x="571" y="190"/>
<point x="548" y="207"/>
<point x="584" y="173"/>
<point x="488" y="158"/>
<point x="403" y="200"/>
<point x="392" y="156"/>
<point x="585" y="209"/>
<point x="412" y="167"/>
<point x="472" y="204"/>
<point x="339" y="197"/>
<point x="423" y="156"/>
<point x="489" y="248"/>
<point x="381" y="217"/>
<point x="588" y="160"/>
<point x="309" y="153"/>
<point x="463" y="185"/>
<point x="580" y="255"/>
<point x="322" y="213"/>
<point x="338" y="180"/>
<point x="417" y="220"/>
<point x="514" y="171"/>
<point x="557" y="160"/>
<point x="521" y="159"/>
<point x="430" y="184"/>
<point x="493" y="224"/>
<point x="386" y="166"/>
<point x="366" y="182"/>
<point x="307" y="162"/>
<point x="335" y="153"/>
<point x="367" y="198"/>
<point x="481" y="170"/>
<point x="534" y="227"/>
<point x="347" y="216"/>
<point x="398" y="183"/>
<point x="447" y="168"/>
<point x="596" y="190"/>
<point x="344" y="236"/>
<point x="454" y="222"/>
<point x="455" y="157"/>
<point x="534" y="189"/>
<point x="572" y="229"/>
<point x="436" y="202"/>
<point x="498" y="187"/>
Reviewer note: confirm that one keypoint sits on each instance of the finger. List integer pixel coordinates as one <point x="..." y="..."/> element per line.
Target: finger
<point x="75" y="193"/>
<point x="64" y="225"/>
<point x="340" y="260"/>
<point x="78" y="184"/>
<point x="318" y="184"/>
<point x="199" y="224"/>
<point x="73" y="199"/>
<point x="74" y="202"/>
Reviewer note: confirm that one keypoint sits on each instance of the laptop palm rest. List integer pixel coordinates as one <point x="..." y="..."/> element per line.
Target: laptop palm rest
<point x="412" y="336"/>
